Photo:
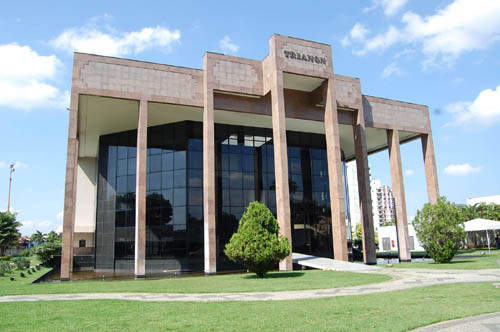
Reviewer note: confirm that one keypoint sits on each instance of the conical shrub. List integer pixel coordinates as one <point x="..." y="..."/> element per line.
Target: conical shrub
<point x="257" y="244"/>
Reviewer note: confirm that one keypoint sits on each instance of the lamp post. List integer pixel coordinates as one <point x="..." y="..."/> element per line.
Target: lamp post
<point x="12" y="169"/>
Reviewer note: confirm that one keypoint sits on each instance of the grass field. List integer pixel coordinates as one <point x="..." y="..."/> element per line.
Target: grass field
<point x="394" y="311"/>
<point x="275" y="281"/>
<point x="488" y="261"/>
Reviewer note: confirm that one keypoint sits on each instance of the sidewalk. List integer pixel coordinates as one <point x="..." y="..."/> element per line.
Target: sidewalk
<point x="402" y="279"/>
<point x="486" y="323"/>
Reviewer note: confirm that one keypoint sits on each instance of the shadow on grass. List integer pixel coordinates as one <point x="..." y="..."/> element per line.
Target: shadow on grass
<point x="276" y="275"/>
<point x="468" y="261"/>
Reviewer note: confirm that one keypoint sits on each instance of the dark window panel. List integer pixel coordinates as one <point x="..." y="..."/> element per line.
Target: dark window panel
<point x="195" y="178"/>
<point x="195" y="159"/>
<point x="180" y="178"/>
<point x="195" y="196"/>
<point x="180" y="197"/>
<point x="167" y="180"/>
<point x="179" y="159"/>
<point x="167" y="163"/>
<point x="122" y="167"/>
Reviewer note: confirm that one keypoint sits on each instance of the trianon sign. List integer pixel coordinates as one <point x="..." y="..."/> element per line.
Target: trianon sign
<point x="304" y="57"/>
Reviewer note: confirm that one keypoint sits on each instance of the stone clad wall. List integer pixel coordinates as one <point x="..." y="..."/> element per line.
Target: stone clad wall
<point x="348" y="91"/>
<point x="128" y="79"/>
<point x="123" y="78"/>
<point x="392" y="114"/>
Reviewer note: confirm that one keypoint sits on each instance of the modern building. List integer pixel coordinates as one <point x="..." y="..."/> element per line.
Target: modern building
<point x="162" y="160"/>
<point x="383" y="203"/>
<point x="352" y="193"/>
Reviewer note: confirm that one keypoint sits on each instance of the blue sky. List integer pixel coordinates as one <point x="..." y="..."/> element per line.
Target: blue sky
<point x="444" y="54"/>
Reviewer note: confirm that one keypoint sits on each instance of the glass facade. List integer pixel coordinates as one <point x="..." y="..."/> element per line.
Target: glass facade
<point x="174" y="199"/>
<point x="174" y="215"/>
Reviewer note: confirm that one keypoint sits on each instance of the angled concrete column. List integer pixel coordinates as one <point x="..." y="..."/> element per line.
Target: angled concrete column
<point x="70" y="191"/>
<point x="365" y="200"/>
<point x="281" y="163"/>
<point x="209" y="209"/>
<point x="430" y="168"/>
<point x="335" y="174"/>
<point x="398" y="189"/>
<point x="140" y="191"/>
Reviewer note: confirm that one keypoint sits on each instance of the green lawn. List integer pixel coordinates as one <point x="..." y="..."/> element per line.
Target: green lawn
<point x="275" y="281"/>
<point x="488" y="261"/>
<point x="394" y="311"/>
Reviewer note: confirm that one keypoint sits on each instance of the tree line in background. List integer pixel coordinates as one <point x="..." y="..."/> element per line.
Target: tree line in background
<point x="47" y="246"/>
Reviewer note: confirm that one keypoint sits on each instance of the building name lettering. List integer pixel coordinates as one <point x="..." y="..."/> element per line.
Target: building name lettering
<point x="305" y="57"/>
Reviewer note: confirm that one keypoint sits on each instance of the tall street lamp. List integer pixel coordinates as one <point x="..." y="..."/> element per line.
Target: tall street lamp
<point x="12" y="169"/>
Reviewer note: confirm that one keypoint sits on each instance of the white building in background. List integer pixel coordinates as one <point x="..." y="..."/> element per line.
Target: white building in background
<point x="494" y="199"/>
<point x="383" y="207"/>
<point x="352" y="190"/>
<point x="388" y="240"/>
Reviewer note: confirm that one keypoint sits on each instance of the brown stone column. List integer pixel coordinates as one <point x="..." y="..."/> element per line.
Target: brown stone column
<point x="140" y="191"/>
<point x="209" y="209"/>
<point x="281" y="163"/>
<point x="430" y="168"/>
<point x="365" y="200"/>
<point x="70" y="190"/>
<point x="335" y="174"/>
<point x="398" y="190"/>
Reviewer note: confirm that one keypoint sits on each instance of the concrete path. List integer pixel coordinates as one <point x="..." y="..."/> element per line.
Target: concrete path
<point x="402" y="279"/>
<point x="481" y="323"/>
<point x="330" y="264"/>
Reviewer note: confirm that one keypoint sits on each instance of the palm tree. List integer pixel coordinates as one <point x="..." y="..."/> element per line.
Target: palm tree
<point x="53" y="237"/>
<point x="38" y="237"/>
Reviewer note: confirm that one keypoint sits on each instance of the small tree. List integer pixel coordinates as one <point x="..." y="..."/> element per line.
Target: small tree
<point x="47" y="250"/>
<point x="9" y="233"/>
<point x="439" y="229"/>
<point x="257" y="244"/>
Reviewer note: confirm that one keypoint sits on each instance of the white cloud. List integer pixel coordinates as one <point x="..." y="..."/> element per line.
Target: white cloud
<point x="226" y="45"/>
<point x="25" y="78"/>
<point x="59" y="229"/>
<point x="391" y="69"/>
<point x="20" y="164"/>
<point x="409" y="172"/>
<point x="390" y="7"/>
<point x="462" y="26"/>
<point x="381" y="41"/>
<point x="91" y="39"/>
<point x="484" y="110"/>
<point x="357" y="33"/>
<point x="60" y="215"/>
<point x="461" y="169"/>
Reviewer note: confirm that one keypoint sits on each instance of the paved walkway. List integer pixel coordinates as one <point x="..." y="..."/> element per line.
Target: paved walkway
<point x="481" y="323"/>
<point x="323" y="263"/>
<point x="402" y="279"/>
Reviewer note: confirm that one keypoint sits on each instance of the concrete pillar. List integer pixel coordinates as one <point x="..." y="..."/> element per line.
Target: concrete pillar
<point x="209" y="193"/>
<point x="281" y="163"/>
<point x="430" y="168"/>
<point x="365" y="200"/>
<point x="335" y="174"/>
<point x="70" y="191"/>
<point x="398" y="189"/>
<point x="140" y="191"/>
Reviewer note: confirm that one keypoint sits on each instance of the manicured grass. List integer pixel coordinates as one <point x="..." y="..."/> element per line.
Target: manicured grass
<point x="488" y="261"/>
<point x="275" y="281"/>
<point x="394" y="311"/>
